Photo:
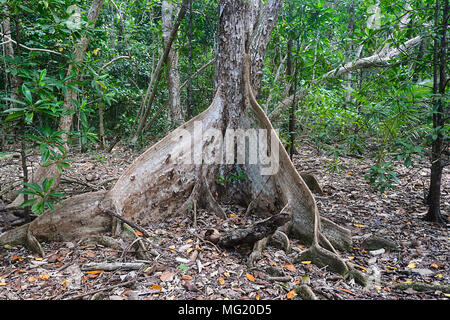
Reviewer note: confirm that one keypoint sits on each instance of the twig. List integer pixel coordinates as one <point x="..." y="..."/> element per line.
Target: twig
<point x="111" y="62"/>
<point x="28" y="48"/>
<point x="70" y="180"/>
<point x="131" y="224"/>
<point x="198" y="71"/>
<point x="111" y="266"/>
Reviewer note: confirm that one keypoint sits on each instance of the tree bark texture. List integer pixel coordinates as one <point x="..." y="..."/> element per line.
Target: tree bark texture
<point x="176" y="114"/>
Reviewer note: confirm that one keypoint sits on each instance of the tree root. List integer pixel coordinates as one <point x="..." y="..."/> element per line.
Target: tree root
<point x="209" y="202"/>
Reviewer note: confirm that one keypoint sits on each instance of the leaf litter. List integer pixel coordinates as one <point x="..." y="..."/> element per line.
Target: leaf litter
<point x="184" y="265"/>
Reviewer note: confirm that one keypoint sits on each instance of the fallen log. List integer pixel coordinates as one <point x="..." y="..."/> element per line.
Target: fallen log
<point x="254" y="233"/>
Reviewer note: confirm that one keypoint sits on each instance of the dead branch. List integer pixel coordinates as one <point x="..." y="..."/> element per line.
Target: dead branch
<point x="131" y="224"/>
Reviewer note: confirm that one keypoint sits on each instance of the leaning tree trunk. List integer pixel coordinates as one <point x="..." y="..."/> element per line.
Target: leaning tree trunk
<point x="182" y="168"/>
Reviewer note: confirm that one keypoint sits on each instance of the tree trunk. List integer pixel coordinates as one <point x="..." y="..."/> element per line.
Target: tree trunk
<point x="176" y="114"/>
<point x="156" y="75"/>
<point x="189" y="104"/>
<point x="65" y="123"/>
<point x="183" y="168"/>
<point x="439" y="83"/>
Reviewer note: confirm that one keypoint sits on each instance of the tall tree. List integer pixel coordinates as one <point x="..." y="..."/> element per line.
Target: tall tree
<point x="439" y="111"/>
<point x="183" y="168"/>
<point x="78" y="53"/>
<point x="176" y="114"/>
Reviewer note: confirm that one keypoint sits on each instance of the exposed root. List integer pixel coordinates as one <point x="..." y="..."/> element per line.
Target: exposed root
<point x="301" y="204"/>
<point x="305" y="292"/>
<point x="280" y="240"/>
<point x="188" y="204"/>
<point x="33" y="244"/>
<point x="322" y="257"/>
<point x="256" y="253"/>
<point x="105" y="241"/>
<point x="209" y="202"/>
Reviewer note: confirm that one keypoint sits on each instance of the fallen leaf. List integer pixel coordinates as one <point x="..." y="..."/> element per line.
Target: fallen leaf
<point x="345" y="290"/>
<point x="306" y="279"/>
<point x="305" y="262"/>
<point x="362" y="268"/>
<point x="3" y="283"/>
<point x="226" y="274"/>
<point x="250" y="277"/>
<point x="95" y="271"/>
<point x="221" y="281"/>
<point x="290" y="267"/>
<point x="156" y="287"/>
<point x="189" y="285"/>
<point x="439" y="275"/>
<point x="167" y="276"/>
<point x="182" y="267"/>
<point x="186" y="277"/>
<point x="44" y="276"/>
<point x="412" y="265"/>
<point x="407" y="281"/>
<point x="32" y="279"/>
<point x="14" y="258"/>
<point x="391" y="268"/>
<point x="291" y="294"/>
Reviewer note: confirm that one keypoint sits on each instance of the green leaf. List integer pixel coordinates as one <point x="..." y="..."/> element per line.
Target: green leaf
<point x="43" y="73"/>
<point x="14" y="116"/>
<point x="46" y="184"/>
<point x="27" y="203"/>
<point x="27" y="94"/>
<point x="182" y="267"/>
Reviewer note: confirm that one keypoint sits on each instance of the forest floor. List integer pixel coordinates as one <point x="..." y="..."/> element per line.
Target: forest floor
<point x="182" y="265"/>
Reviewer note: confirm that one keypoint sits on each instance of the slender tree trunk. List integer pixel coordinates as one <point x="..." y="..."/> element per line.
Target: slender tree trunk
<point x="65" y="123"/>
<point x="176" y="114"/>
<point x="189" y="104"/>
<point x="150" y="94"/>
<point x="101" y="125"/>
<point x="439" y="83"/>
<point x="9" y="51"/>
<point x="291" y="79"/>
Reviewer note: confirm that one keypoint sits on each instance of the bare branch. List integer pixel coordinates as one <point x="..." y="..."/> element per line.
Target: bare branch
<point x="196" y="73"/>
<point x="111" y="62"/>
<point x="27" y="48"/>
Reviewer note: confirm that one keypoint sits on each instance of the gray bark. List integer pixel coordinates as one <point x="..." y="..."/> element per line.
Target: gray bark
<point x="176" y="114"/>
